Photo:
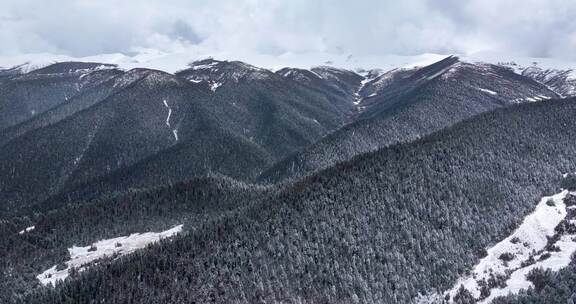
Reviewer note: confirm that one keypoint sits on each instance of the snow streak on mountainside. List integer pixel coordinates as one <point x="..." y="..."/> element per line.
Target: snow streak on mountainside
<point x="174" y="131"/>
<point x="546" y="239"/>
<point x="81" y="257"/>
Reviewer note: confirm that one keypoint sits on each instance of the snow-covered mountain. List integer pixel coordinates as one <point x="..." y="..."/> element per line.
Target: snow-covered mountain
<point x="559" y="75"/>
<point x="351" y="180"/>
<point x="173" y="62"/>
<point x="562" y="82"/>
<point x="405" y="104"/>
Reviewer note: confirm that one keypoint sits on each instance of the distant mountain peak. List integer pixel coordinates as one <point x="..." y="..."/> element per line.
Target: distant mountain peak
<point x="299" y="75"/>
<point x="73" y="67"/>
<point x="217" y="73"/>
<point x="329" y="72"/>
<point x="562" y="81"/>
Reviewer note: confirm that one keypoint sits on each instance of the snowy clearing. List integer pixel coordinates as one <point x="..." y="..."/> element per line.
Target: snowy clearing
<point x="80" y="257"/>
<point x="527" y="248"/>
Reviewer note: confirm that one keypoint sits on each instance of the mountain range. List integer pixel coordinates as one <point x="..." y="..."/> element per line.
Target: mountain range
<point x="321" y="185"/>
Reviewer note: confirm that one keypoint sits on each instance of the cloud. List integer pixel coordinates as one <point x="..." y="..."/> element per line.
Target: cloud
<point x="273" y="27"/>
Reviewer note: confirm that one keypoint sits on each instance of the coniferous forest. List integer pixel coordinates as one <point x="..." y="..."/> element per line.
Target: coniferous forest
<point x="321" y="186"/>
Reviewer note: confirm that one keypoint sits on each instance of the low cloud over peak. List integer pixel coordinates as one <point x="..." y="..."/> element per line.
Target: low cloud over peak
<point x="538" y="28"/>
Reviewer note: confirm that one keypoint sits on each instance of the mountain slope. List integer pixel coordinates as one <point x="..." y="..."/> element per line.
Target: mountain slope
<point x="338" y="85"/>
<point x="25" y="95"/>
<point x="403" y="105"/>
<point x="146" y="127"/>
<point x="27" y="253"/>
<point x="561" y="81"/>
<point x="378" y="229"/>
<point x="284" y="108"/>
<point x="117" y="131"/>
<point x="81" y="101"/>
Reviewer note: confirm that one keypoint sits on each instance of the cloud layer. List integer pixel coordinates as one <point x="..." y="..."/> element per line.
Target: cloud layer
<point x="540" y="28"/>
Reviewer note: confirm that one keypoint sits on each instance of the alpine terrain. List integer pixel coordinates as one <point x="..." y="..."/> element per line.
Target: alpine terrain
<point x="451" y="181"/>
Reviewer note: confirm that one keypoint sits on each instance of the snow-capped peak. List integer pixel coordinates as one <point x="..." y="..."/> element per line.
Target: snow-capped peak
<point x="217" y="73"/>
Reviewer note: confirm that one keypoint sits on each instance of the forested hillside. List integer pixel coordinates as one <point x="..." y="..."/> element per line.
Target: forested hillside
<point x="143" y="128"/>
<point x="380" y="228"/>
<point x="26" y="254"/>
<point x="403" y="105"/>
<point x="25" y="95"/>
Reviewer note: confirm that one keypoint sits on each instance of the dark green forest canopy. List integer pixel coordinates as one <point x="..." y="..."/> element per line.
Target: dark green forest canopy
<point x="380" y="228"/>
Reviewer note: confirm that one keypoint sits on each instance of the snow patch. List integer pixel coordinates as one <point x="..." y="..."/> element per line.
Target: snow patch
<point x="174" y="131"/>
<point x="358" y="97"/>
<point x="26" y="230"/>
<point x="207" y="66"/>
<point x="86" y="72"/>
<point x="523" y="251"/>
<point x="542" y="97"/>
<point x="214" y="86"/>
<point x="80" y="257"/>
<point x="488" y="91"/>
<point x="169" y="112"/>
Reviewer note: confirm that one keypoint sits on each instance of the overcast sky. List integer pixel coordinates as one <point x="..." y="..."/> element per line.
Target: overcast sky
<point x="539" y="28"/>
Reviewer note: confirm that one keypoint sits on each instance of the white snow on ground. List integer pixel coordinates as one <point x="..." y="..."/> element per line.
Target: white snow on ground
<point x="215" y="86"/>
<point x="80" y="257"/>
<point x="86" y="72"/>
<point x="169" y="112"/>
<point x="532" y="99"/>
<point x="555" y="262"/>
<point x="363" y="83"/>
<point x="529" y="240"/>
<point x="28" y="229"/>
<point x="207" y="66"/>
<point x="488" y="91"/>
<point x="519" y="63"/>
<point x="174" y="131"/>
